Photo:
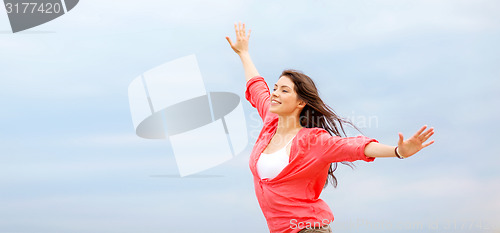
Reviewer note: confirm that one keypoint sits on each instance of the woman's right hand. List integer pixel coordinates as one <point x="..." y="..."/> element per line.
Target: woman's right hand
<point x="241" y="44"/>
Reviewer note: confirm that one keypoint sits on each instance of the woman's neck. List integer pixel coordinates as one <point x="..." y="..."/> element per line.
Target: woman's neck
<point x="287" y="125"/>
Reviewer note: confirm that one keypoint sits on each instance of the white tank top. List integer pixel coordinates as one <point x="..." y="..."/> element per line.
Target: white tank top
<point x="270" y="165"/>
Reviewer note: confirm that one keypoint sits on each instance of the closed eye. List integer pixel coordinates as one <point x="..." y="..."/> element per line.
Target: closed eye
<point x="283" y="90"/>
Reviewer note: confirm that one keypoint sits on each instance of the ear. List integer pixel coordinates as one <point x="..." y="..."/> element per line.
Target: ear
<point x="302" y="104"/>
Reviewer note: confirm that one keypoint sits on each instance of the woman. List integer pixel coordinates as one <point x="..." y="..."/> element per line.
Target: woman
<point x="295" y="150"/>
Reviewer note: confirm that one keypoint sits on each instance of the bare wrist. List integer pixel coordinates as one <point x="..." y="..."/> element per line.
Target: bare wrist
<point x="243" y="53"/>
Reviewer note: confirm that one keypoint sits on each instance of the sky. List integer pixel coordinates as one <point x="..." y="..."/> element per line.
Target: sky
<point x="70" y="160"/>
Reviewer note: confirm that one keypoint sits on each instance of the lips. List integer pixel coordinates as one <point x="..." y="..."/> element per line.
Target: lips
<point x="275" y="102"/>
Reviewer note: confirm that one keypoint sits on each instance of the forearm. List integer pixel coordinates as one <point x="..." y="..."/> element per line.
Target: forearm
<point x="374" y="149"/>
<point x="248" y="66"/>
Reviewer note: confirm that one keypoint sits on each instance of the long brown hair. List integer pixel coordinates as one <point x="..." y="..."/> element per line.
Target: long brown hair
<point x="317" y="114"/>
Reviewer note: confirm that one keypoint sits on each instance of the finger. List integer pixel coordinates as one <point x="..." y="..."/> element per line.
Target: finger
<point x="420" y="131"/>
<point x="400" y="139"/>
<point x="239" y="27"/>
<point x="427" y="144"/>
<point x="428" y="136"/>
<point x="429" y="131"/>
<point x="244" y="32"/>
<point x="229" y="40"/>
<point x="425" y="135"/>
<point x="235" y="29"/>
<point x="249" y="31"/>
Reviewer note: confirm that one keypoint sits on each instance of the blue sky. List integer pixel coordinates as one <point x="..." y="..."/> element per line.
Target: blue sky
<point x="70" y="160"/>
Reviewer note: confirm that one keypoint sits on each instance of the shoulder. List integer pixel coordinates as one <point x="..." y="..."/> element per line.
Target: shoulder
<point x="317" y="137"/>
<point x="271" y="121"/>
<point x="310" y="140"/>
<point x="311" y="135"/>
<point x="313" y="132"/>
<point x="256" y="79"/>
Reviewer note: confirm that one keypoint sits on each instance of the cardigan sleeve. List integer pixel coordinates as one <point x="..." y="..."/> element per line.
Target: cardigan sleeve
<point x="339" y="149"/>
<point x="257" y="93"/>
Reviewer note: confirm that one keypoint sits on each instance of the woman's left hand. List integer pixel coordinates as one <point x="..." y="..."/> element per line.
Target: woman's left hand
<point x="415" y="143"/>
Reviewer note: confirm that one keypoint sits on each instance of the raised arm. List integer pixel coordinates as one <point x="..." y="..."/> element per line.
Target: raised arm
<point x="405" y="148"/>
<point x="240" y="47"/>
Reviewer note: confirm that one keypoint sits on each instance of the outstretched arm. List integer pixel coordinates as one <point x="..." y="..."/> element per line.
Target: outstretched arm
<point x="240" y="47"/>
<point x="405" y="148"/>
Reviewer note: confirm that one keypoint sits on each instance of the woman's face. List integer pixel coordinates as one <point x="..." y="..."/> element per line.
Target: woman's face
<point x="286" y="97"/>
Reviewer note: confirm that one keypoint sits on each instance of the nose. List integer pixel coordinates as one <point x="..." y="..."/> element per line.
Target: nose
<point x="274" y="93"/>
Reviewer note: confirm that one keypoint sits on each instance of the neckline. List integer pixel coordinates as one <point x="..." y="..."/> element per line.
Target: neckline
<point x="281" y="148"/>
<point x="292" y="148"/>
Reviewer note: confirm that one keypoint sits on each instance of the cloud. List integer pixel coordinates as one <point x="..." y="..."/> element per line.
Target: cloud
<point x="356" y="24"/>
<point x="427" y="198"/>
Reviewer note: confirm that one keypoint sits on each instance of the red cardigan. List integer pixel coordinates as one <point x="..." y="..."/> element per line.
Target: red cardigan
<point x="290" y="201"/>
